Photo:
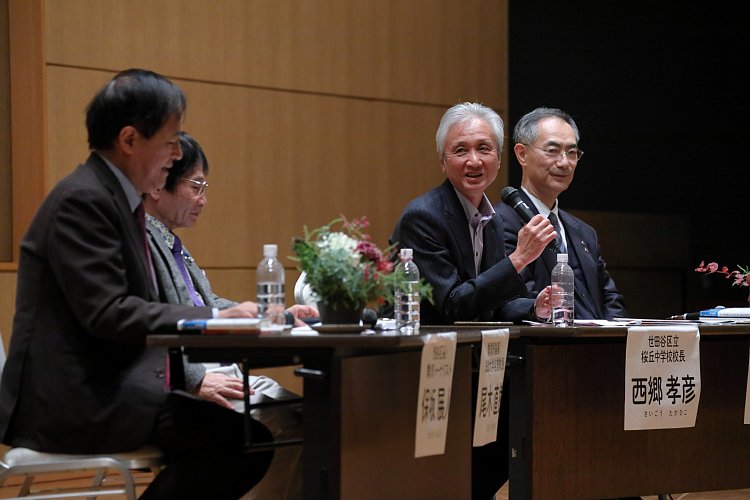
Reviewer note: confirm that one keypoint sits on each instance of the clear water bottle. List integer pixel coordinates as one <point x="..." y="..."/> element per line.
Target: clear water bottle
<point x="270" y="287"/>
<point x="406" y="309"/>
<point x="563" y="292"/>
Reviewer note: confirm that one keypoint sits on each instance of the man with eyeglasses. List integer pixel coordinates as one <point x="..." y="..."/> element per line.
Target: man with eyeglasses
<point x="546" y="146"/>
<point x="181" y="281"/>
<point x="79" y="377"/>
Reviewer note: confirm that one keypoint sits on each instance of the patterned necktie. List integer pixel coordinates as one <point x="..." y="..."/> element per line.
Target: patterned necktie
<point x="180" y="261"/>
<point x="556" y="224"/>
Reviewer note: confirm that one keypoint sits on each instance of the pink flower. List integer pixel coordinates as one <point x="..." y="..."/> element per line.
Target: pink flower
<point x="740" y="276"/>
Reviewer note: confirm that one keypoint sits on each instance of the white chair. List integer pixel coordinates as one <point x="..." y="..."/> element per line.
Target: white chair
<point x="29" y="464"/>
<point x="303" y="293"/>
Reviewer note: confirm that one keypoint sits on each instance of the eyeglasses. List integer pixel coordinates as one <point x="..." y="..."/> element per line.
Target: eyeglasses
<point x="572" y="154"/>
<point x="199" y="186"/>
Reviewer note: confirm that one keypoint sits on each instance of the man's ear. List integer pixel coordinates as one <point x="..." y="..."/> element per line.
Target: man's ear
<point x="521" y="152"/>
<point x="127" y="138"/>
<point x="155" y="194"/>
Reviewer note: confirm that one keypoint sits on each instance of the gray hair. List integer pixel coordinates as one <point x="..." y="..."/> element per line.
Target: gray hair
<point x="526" y="129"/>
<point x="464" y="112"/>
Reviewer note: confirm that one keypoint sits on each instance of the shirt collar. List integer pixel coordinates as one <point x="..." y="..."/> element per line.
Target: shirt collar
<point x="131" y="193"/>
<point x="482" y="214"/>
<point x="541" y="207"/>
<point x="163" y="231"/>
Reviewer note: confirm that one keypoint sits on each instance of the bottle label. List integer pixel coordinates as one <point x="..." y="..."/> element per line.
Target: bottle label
<point x="406" y="309"/>
<point x="270" y="298"/>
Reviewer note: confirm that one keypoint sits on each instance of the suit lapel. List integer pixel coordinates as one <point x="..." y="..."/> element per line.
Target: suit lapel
<point x="585" y="259"/>
<point x="167" y="271"/>
<point x="454" y="214"/>
<point x="132" y="232"/>
<point x="200" y="282"/>
<point x="494" y="250"/>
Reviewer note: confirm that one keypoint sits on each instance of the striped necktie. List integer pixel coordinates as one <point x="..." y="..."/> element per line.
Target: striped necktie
<point x="556" y="224"/>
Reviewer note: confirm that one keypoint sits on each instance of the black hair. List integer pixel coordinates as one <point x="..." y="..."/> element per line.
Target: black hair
<point x="192" y="154"/>
<point x="136" y="97"/>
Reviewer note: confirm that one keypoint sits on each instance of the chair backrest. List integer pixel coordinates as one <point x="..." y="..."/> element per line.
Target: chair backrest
<point x="303" y="294"/>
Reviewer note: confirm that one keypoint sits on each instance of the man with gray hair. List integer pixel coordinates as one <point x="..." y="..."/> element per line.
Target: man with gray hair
<point x="457" y="240"/>
<point x="456" y="236"/>
<point x="546" y="146"/>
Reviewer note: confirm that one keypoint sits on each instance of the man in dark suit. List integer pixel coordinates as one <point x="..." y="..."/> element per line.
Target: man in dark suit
<point x="79" y="377"/>
<point x="546" y="146"/>
<point x="457" y="240"/>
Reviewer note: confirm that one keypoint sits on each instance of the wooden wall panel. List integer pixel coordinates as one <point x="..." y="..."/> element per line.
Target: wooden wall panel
<point x="28" y="111"/>
<point x="68" y="93"/>
<point x="278" y="160"/>
<point x="407" y="50"/>
<point x="282" y="160"/>
<point x="6" y="227"/>
<point x="7" y="304"/>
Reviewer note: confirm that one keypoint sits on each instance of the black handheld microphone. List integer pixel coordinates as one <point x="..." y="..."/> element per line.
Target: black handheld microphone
<point x="510" y="197"/>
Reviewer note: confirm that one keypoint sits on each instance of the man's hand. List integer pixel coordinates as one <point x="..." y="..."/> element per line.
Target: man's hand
<point x="243" y="310"/>
<point x="543" y="304"/>
<point x="250" y="310"/>
<point x="219" y="388"/>
<point x="302" y="311"/>
<point x="532" y="239"/>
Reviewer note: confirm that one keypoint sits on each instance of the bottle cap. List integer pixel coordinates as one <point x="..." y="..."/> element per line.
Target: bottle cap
<point x="562" y="257"/>
<point x="406" y="253"/>
<point x="270" y="250"/>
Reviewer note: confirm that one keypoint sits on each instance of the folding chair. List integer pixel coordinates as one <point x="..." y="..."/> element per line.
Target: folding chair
<point x="29" y="464"/>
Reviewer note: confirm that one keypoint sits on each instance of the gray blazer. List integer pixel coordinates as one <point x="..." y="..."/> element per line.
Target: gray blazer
<point x="172" y="288"/>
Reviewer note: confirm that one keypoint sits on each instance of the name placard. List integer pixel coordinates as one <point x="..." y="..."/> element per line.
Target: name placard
<point x="662" y="377"/>
<point x="434" y="399"/>
<point x="490" y="390"/>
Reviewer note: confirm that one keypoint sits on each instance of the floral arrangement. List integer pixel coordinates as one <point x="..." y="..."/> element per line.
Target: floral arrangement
<point x="739" y="275"/>
<point x="345" y="269"/>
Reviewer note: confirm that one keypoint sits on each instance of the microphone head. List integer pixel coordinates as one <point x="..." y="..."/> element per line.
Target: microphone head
<point x="512" y="198"/>
<point x="369" y="317"/>
<point x="508" y="192"/>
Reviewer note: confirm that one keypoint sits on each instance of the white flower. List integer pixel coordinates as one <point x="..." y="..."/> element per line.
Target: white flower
<point x="340" y="243"/>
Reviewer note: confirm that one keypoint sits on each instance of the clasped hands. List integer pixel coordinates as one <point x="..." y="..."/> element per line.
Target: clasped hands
<point x="249" y="309"/>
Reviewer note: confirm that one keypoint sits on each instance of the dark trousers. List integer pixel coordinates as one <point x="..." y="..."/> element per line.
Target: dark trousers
<point x="489" y="463"/>
<point x="204" y="443"/>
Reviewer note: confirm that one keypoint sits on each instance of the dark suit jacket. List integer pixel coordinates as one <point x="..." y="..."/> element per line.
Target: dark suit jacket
<point x="594" y="285"/>
<point x="435" y="227"/>
<point x="79" y="377"/>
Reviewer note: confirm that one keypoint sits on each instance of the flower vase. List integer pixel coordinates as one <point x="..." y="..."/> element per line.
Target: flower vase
<point x="339" y="316"/>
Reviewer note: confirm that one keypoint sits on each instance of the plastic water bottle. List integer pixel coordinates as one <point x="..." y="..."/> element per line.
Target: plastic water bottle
<point x="270" y="288"/>
<point x="563" y="292"/>
<point x="407" y="295"/>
